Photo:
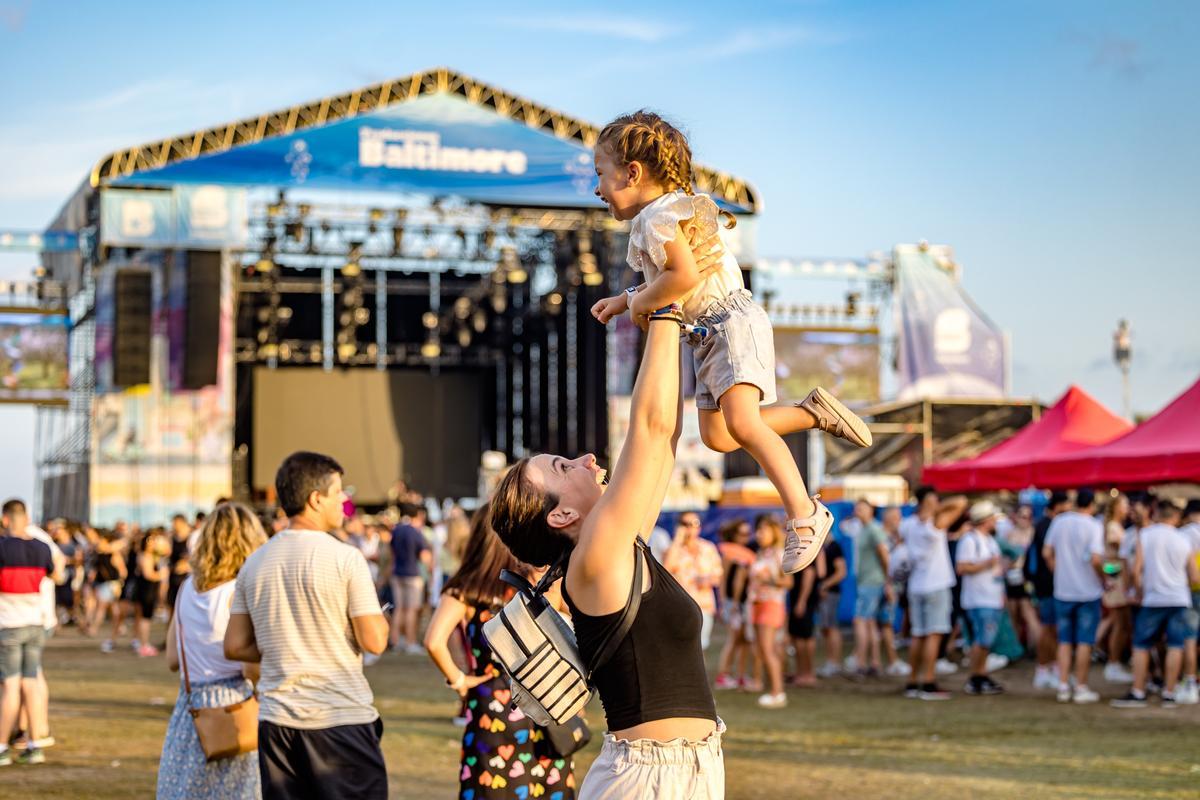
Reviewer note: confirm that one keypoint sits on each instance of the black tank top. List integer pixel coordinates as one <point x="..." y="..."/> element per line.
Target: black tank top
<point x="657" y="672"/>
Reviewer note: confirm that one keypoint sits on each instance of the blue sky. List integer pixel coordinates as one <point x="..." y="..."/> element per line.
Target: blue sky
<point x="1053" y="144"/>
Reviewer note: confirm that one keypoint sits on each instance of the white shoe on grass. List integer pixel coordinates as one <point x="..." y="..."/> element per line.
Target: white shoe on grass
<point x="1114" y="672"/>
<point x="899" y="669"/>
<point x="1084" y="695"/>
<point x="995" y="662"/>
<point x="772" y="700"/>
<point x="945" y="666"/>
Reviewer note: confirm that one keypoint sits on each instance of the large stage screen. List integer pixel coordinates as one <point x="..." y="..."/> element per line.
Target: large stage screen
<point x="844" y="361"/>
<point x="33" y="357"/>
<point x="381" y="426"/>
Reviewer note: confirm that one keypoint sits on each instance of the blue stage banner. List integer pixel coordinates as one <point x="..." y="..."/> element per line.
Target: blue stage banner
<point x="210" y="216"/>
<point x="439" y="145"/>
<point x="948" y="346"/>
<point x="136" y="218"/>
<point x="46" y="241"/>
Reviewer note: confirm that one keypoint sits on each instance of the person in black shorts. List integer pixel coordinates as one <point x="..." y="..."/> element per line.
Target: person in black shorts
<point x="180" y="568"/>
<point x="150" y="570"/>
<point x="803" y="602"/>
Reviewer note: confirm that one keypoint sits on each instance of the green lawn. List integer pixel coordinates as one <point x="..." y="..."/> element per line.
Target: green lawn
<point x="843" y="740"/>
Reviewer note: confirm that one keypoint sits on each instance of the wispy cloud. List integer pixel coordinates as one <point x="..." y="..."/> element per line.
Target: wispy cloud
<point x="636" y="29"/>
<point x="135" y="94"/>
<point x="1111" y="52"/>
<point x="13" y="14"/>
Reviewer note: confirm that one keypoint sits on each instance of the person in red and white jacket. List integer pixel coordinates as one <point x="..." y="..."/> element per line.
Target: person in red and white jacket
<point x="24" y="562"/>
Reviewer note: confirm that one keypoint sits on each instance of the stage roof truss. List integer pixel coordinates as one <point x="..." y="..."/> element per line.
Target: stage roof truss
<point x="283" y="122"/>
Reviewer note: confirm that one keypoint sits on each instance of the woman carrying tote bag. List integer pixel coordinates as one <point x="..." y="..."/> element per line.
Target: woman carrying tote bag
<point x="230" y="534"/>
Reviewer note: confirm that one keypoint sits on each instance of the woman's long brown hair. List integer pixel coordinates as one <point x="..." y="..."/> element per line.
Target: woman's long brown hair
<point x="477" y="582"/>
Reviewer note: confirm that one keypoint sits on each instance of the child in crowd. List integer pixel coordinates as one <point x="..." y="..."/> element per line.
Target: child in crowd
<point x="644" y="166"/>
<point x="768" y="609"/>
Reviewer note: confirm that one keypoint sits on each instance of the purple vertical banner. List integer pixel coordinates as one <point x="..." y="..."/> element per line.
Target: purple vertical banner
<point x="106" y="317"/>
<point x="947" y="346"/>
<point x="177" y="318"/>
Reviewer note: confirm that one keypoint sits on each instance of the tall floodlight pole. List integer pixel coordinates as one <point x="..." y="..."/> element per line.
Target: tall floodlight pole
<point x="1122" y="355"/>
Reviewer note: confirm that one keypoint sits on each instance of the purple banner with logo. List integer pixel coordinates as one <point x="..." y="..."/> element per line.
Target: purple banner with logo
<point x="947" y="345"/>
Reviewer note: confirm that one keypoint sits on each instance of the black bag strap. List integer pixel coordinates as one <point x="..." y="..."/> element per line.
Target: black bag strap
<point x="628" y="614"/>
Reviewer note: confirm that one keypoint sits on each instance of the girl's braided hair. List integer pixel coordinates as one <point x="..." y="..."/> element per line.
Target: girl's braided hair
<point x="659" y="146"/>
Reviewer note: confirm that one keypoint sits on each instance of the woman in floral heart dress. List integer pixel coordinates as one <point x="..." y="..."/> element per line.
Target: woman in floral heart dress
<point x="504" y="754"/>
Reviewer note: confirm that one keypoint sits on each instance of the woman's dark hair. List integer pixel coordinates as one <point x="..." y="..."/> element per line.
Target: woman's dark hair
<point x="518" y="515"/>
<point x="477" y="582"/>
<point x="728" y="530"/>
<point x="300" y="475"/>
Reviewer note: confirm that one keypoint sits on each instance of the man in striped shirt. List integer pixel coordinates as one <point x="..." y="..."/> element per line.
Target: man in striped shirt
<point x="305" y="607"/>
<point x="24" y="562"/>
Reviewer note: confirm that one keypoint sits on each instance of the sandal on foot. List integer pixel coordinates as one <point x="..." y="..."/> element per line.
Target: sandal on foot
<point x="801" y="549"/>
<point x="833" y="417"/>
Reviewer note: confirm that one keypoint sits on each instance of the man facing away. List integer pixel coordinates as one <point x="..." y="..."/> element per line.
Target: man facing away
<point x="410" y="551"/>
<point x="929" y="599"/>
<point x="24" y="563"/>
<point x="1164" y="570"/>
<point x="1074" y="551"/>
<point x="305" y="607"/>
<point x="1189" y="691"/>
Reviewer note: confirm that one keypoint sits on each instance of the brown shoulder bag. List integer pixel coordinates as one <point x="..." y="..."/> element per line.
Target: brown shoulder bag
<point x="224" y="731"/>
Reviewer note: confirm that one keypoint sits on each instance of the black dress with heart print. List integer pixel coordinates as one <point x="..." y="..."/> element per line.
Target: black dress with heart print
<point x="504" y="754"/>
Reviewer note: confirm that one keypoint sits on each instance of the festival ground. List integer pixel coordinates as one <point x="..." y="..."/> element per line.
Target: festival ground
<point x="845" y="740"/>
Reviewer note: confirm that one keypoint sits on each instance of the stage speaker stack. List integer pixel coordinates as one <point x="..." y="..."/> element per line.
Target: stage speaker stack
<point x="202" y="333"/>
<point x="131" y="330"/>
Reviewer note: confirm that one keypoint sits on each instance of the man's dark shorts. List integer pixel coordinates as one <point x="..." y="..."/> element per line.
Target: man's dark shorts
<point x="333" y="763"/>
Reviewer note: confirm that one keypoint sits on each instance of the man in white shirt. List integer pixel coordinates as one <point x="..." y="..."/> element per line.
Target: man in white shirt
<point x="305" y="607"/>
<point x="1191" y="529"/>
<point x="983" y="593"/>
<point x="1163" y="569"/>
<point x="1074" y="550"/>
<point x="929" y="600"/>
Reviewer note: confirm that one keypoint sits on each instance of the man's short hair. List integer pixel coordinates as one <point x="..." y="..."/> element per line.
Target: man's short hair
<point x="1192" y="507"/>
<point x="14" y="506"/>
<point x="922" y="492"/>
<point x="1084" y="498"/>
<point x="408" y="509"/>
<point x="300" y="475"/>
<point x="1057" y="498"/>
<point x="1165" y="508"/>
<point x="867" y="503"/>
<point x="178" y="517"/>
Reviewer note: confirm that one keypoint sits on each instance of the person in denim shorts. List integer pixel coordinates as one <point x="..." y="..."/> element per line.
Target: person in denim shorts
<point x="1164" y="569"/>
<point x="1074" y="551"/>
<point x="24" y="562"/>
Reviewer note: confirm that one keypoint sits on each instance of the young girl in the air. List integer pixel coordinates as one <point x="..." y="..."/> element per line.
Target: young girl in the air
<point x="644" y="167"/>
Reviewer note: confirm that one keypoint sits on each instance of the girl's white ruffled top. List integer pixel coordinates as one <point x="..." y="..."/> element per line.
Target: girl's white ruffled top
<point x="655" y="225"/>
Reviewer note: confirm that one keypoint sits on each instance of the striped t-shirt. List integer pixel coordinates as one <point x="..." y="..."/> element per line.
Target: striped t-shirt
<point x="301" y="589"/>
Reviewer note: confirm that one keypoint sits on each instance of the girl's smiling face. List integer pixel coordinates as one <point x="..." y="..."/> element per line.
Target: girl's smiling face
<point x="618" y="184"/>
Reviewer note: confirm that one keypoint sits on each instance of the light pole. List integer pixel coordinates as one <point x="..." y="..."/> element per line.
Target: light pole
<point x="1122" y="355"/>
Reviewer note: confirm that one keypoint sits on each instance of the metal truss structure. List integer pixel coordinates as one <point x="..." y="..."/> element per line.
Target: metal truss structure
<point x="371" y="98"/>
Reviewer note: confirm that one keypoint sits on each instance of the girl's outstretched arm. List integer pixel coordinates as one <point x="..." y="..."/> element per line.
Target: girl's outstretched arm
<point x="679" y="276"/>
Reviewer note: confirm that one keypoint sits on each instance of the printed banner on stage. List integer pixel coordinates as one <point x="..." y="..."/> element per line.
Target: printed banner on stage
<point x="439" y="145"/>
<point x="33" y="357"/>
<point x="947" y="345"/>
<point x="206" y="216"/>
<point x="846" y="362"/>
<point x="699" y="472"/>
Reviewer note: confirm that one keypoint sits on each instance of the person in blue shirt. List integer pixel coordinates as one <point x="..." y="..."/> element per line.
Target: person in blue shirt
<point x="410" y="550"/>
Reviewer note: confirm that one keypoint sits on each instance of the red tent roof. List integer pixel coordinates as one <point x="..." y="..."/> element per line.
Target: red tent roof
<point x="1163" y="449"/>
<point x="1075" y="423"/>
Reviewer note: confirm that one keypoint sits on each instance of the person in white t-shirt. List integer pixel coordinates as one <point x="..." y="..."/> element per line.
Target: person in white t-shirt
<point x="929" y="600"/>
<point x="1164" y="570"/>
<point x="1074" y="550"/>
<point x="1191" y="529"/>
<point x="983" y="592"/>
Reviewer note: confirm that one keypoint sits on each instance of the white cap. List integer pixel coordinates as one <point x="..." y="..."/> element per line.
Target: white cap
<point x="983" y="511"/>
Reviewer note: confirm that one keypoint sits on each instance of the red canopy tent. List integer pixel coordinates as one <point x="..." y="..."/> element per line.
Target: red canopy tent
<point x="1163" y="449"/>
<point x="1073" y="424"/>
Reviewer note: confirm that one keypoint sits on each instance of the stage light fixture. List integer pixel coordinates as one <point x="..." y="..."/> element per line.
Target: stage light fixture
<point x="462" y="307"/>
<point x="295" y="231"/>
<point x="554" y="299"/>
<point x="517" y="275"/>
<point x="376" y="214"/>
<point x="264" y="314"/>
<point x="429" y="319"/>
<point x="284" y="313"/>
<point x="268" y="351"/>
<point x="499" y="301"/>
<point x="479" y="321"/>
<point x="464" y="337"/>
<point x="361" y="316"/>
<point x="432" y="348"/>
<point x="347" y="351"/>
<point x="397" y="239"/>
<point x="285" y="351"/>
<point x="592" y="279"/>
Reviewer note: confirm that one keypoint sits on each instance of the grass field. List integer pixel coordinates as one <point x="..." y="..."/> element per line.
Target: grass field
<point x="842" y="740"/>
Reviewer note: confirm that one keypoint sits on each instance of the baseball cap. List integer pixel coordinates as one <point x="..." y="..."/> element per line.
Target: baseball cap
<point x="984" y="510"/>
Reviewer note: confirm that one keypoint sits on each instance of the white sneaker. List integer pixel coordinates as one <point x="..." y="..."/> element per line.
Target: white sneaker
<point x="106" y="646"/>
<point x="945" y="667"/>
<point x="1064" y="693"/>
<point x="850" y="663"/>
<point x="899" y="669"/>
<point x="772" y="700"/>
<point x="414" y="650"/>
<point x="370" y="659"/>
<point x="1115" y="673"/>
<point x="1187" y="694"/>
<point x="828" y="670"/>
<point x="1085" y="695"/>
<point x="995" y="662"/>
